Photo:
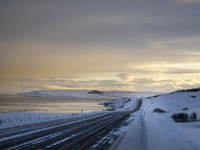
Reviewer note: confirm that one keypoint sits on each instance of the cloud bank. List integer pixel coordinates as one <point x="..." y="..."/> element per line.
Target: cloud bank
<point x="123" y="39"/>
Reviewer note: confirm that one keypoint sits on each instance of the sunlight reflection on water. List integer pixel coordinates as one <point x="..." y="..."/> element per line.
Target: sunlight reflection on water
<point x="18" y="103"/>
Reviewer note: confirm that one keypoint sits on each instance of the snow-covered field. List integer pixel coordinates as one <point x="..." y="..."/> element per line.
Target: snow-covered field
<point x="121" y="104"/>
<point x="149" y="129"/>
<point x="8" y="120"/>
<point x="161" y="130"/>
<point x="158" y="131"/>
<point x="24" y="118"/>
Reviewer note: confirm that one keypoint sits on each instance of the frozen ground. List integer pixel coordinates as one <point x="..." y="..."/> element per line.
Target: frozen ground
<point x="158" y="131"/>
<point x="77" y="132"/>
<point x="24" y="118"/>
<point x="8" y="120"/>
<point x="161" y="130"/>
<point x="149" y="130"/>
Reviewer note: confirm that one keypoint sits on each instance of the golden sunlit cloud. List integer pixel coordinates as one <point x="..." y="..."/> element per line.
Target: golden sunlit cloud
<point x="129" y="45"/>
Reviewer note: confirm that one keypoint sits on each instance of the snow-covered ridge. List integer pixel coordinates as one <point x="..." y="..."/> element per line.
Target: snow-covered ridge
<point x="178" y="100"/>
<point x="188" y="90"/>
<point x="156" y="130"/>
<point x="87" y="94"/>
<point x="163" y="132"/>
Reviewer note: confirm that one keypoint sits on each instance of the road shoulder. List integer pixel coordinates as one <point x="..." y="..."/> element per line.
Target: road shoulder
<point x="134" y="137"/>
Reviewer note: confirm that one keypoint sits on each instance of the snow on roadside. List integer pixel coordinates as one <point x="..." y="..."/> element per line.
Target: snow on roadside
<point x="161" y="130"/>
<point x="121" y="103"/>
<point x="115" y="135"/>
<point x="157" y="130"/>
<point x="8" y="120"/>
<point x="132" y="136"/>
<point x="23" y="118"/>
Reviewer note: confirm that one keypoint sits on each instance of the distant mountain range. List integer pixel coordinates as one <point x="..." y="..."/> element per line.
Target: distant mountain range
<point x="87" y="93"/>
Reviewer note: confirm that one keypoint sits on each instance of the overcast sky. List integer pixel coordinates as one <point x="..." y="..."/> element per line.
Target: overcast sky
<point x="142" y="45"/>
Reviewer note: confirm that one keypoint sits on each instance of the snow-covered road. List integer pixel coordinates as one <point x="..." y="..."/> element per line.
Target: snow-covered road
<point x="135" y="135"/>
<point x="152" y="130"/>
<point x="64" y="133"/>
<point x="122" y="128"/>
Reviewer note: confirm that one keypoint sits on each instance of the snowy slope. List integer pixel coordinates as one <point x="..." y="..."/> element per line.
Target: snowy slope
<point x="86" y="94"/>
<point x="121" y="103"/>
<point x="148" y="130"/>
<point x="15" y="119"/>
<point x="158" y="131"/>
<point x="161" y="130"/>
<point x="176" y="101"/>
<point x="8" y="120"/>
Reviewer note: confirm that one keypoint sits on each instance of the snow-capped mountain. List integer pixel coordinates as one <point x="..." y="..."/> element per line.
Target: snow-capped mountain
<point x="87" y="94"/>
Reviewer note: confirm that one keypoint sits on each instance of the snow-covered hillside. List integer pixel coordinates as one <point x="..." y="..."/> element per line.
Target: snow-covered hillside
<point x="186" y="101"/>
<point x="121" y="103"/>
<point x="161" y="131"/>
<point x="150" y="129"/>
<point x="154" y="130"/>
<point x="87" y="94"/>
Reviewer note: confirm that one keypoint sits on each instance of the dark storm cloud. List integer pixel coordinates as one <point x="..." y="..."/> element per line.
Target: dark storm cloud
<point x="133" y="24"/>
<point x="109" y="22"/>
<point x="54" y="38"/>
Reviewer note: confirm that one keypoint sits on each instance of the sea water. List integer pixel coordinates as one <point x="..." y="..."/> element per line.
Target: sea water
<point x="19" y="103"/>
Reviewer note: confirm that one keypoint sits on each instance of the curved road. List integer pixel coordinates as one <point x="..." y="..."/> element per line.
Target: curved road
<point x="64" y="133"/>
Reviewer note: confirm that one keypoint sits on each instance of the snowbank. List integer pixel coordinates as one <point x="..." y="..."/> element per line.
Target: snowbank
<point x="22" y="118"/>
<point x="154" y="130"/>
<point x="161" y="130"/>
<point x="8" y="120"/>
<point x="157" y="130"/>
<point x="121" y="103"/>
